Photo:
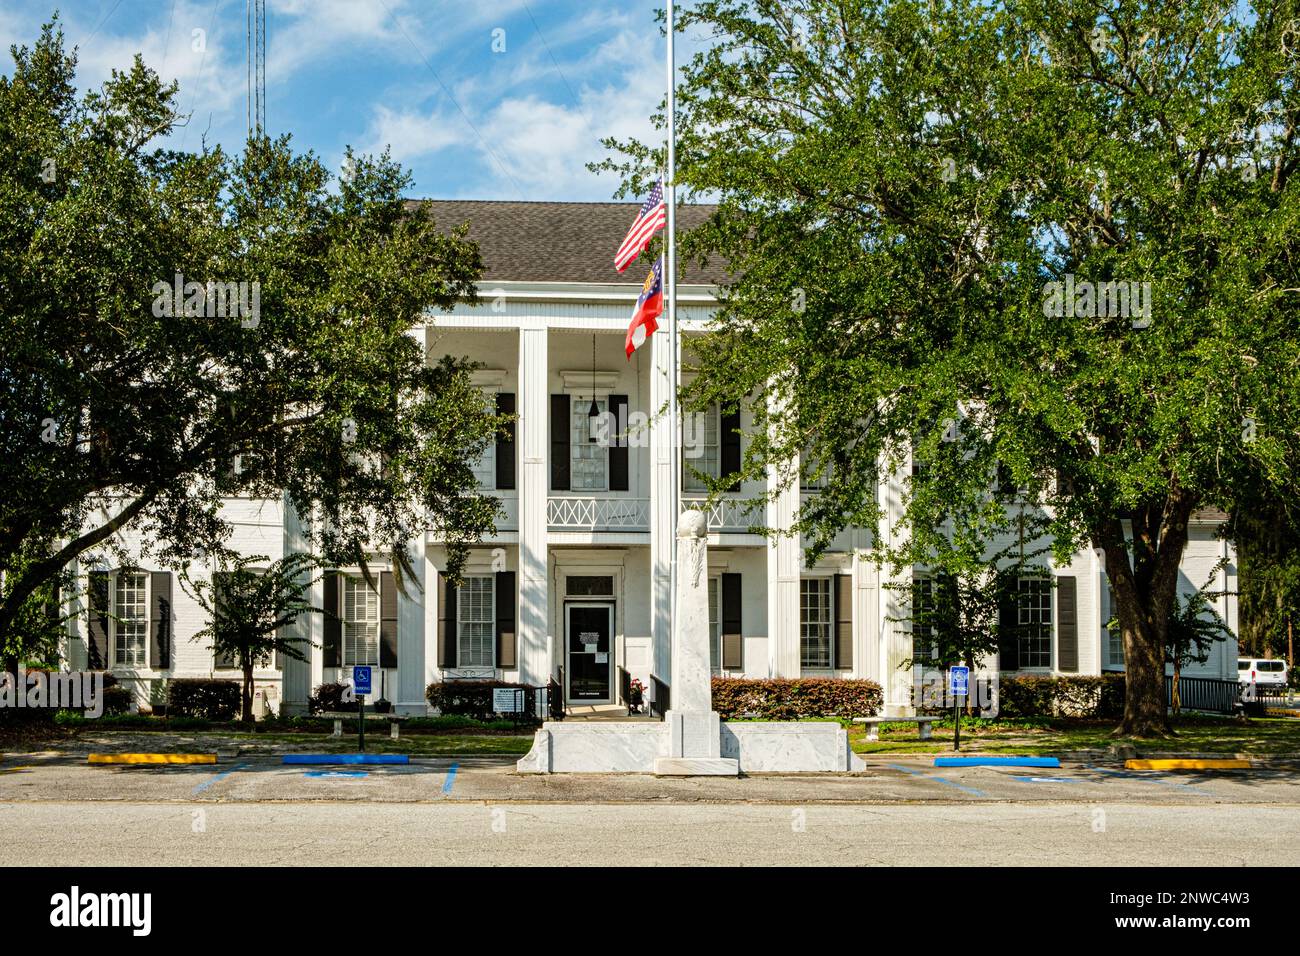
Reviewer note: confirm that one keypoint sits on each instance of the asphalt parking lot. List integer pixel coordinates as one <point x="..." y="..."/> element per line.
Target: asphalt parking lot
<point x="37" y="778"/>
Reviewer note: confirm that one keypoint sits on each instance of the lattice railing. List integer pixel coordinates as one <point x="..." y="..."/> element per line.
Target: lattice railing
<point x="598" y="514"/>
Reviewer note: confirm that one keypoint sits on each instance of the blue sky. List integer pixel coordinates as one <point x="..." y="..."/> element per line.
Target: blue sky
<point x="421" y="76"/>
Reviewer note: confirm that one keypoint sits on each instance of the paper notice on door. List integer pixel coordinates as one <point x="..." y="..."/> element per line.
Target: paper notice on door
<point x="589" y="648"/>
<point x="602" y="657"/>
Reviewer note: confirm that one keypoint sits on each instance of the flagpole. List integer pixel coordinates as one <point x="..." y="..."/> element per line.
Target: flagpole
<point x="670" y="280"/>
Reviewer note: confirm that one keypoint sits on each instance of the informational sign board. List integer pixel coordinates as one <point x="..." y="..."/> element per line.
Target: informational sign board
<point x="959" y="680"/>
<point x="361" y="680"/>
<point x="507" y="700"/>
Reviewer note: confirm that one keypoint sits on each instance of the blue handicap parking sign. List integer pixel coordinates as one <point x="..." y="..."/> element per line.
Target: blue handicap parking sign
<point x="958" y="680"/>
<point x="361" y="680"/>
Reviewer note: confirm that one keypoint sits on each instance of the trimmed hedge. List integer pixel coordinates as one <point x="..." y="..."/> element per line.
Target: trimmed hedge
<point x="329" y="698"/>
<point x="1099" y="697"/>
<point x="792" y="699"/>
<point x="469" y="698"/>
<point x="206" y="698"/>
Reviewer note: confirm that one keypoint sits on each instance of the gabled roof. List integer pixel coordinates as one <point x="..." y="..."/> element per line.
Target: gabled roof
<point x="560" y="241"/>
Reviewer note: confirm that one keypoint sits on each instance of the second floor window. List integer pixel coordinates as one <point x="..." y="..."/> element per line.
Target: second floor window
<point x="476" y="622"/>
<point x="360" y="623"/>
<point x="131" y="623"/>
<point x="815" y="622"/>
<point x="588" y="457"/>
<point x="702" y="453"/>
<point x="485" y="467"/>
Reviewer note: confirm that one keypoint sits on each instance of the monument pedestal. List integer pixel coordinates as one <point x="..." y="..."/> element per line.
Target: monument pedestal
<point x="695" y="747"/>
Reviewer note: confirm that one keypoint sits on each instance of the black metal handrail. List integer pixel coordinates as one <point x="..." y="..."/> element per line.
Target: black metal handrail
<point x="659" y="699"/>
<point x="625" y="689"/>
<point x="557" y="695"/>
<point x="1212" y="694"/>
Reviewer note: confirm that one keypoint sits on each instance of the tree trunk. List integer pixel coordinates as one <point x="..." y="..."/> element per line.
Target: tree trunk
<point x="247" y="716"/>
<point x="1176" y="702"/>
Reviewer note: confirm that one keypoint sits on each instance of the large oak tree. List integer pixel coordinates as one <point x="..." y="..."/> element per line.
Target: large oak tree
<point x="898" y="183"/>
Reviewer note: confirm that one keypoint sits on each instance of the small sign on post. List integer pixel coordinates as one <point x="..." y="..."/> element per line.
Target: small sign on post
<point x="959" y="687"/>
<point x="361" y="686"/>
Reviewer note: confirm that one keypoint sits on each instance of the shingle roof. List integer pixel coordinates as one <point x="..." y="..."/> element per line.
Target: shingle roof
<point x="559" y="241"/>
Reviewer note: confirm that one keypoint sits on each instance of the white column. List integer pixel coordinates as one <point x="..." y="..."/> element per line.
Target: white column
<point x="895" y="642"/>
<point x="301" y="677"/>
<point x="411" y="629"/>
<point x="534" y="483"/>
<point x="783" y="565"/>
<point x="663" y="523"/>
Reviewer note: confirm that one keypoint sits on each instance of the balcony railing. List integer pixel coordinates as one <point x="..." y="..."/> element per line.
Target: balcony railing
<point x="571" y="513"/>
<point x="727" y="514"/>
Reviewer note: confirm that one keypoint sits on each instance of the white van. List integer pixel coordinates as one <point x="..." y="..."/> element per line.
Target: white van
<point x="1270" y="674"/>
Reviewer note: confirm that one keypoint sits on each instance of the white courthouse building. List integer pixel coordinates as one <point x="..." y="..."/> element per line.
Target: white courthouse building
<point x="575" y="581"/>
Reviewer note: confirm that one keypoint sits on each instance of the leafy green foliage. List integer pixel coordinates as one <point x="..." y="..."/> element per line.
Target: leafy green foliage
<point x="795" y="699"/>
<point x="898" y="183"/>
<point x="111" y="407"/>
<point x="202" y="698"/>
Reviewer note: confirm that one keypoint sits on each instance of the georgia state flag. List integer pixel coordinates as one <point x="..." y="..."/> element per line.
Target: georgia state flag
<point x="649" y="306"/>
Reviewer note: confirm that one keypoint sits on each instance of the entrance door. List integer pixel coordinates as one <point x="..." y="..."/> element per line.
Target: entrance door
<point x="591" y="662"/>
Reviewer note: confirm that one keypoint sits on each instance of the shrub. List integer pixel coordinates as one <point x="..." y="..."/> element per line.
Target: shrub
<point x="472" y="698"/>
<point x="117" y="700"/>
<point x="329" y="698"/>
<point x="203" y="697"/>
<point x="1100" y="697"/>
<point x="792" y="699"/>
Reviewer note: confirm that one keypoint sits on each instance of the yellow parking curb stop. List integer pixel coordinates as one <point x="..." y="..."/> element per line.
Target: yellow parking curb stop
<point x="152" y="758"/>
<point x="1188" y="764"/>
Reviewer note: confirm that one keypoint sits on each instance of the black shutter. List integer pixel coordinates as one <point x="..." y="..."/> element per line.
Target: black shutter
<point x="387" y="619"/>
<point x="223" y="660"/>
<point x="506" y="442"/>
<point x="160" y="620"/>
<point x="1067" y="624"/>
<point x="507" y="632"/>
<point x="729" y="425"/>
<point x="559" y="443"/>
<point x="446" y="622"/>
<point x="618" y="451"/>
<point x="733" y="645"/>
<point x="1009" y="629"/>
<point x="843" y="621"/>
<point x="332" y="651"/>
<point x="97" y="620"/>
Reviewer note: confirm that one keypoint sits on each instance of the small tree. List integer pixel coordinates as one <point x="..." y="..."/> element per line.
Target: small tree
<point x="1194" y="628"/>
<point x="250" y="606"/>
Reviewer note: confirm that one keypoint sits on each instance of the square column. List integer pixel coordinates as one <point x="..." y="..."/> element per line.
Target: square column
<point x="784" y="563"/>
<point x="663" y="523"/>
<point x="534" y="483"/>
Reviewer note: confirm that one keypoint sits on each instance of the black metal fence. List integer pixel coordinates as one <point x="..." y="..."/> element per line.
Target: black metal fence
<point x="659" y="698"/>
<point x="1212" y="694"/>
<point x="555" y="696"/>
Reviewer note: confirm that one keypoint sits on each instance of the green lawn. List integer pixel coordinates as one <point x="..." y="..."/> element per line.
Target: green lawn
<point x="1049" y="736"/>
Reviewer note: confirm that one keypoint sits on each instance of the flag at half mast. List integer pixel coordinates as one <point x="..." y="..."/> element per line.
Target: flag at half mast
<point x="652" y="217"/>
<point x="649" y="306"/>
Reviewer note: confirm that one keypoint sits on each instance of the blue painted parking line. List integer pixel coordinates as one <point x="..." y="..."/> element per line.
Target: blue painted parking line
<point x="336" y="773"/>
<point x="1049" y="779"/>
<point x="943" y="780"/>
<point x="1147" y="778"/>
<point x="996" y="762"/>
<point x="218" y="778"/>
<point x="451" y="778"/>
<point x="346" y="758"/>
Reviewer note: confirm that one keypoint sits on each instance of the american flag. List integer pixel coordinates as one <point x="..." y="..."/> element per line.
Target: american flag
<point x="652" y="217"/>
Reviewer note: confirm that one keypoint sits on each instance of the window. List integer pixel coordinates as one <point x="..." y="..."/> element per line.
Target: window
<point x="1270" y="667"/>
<point x="923" y="630"/>
<point x="813" y="474"/>
<point x="1243" y="665"/>
<point x="360" y="623"/>
<point x="476" y="622"/>
<point x="588" y="585"/>
<point x="588" y="458"/>
<point x="130" y="621"/>
<point x="1114" y="636"/>
<point x="702" y="450"/>
<point x="815" y="622"/>
<point x="485" y="467"/>
<point x="715" y="624"/>
<point x="1034" y="606"/>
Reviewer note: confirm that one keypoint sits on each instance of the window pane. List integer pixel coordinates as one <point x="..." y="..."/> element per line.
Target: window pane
<point x="1114" y="636"/>
<point x="584" y="585"/>
<point x="476" y="622"/>
<point x="132" y="624"/>
<point x="924" y="644"/>
<point x="700" y="435"/>
<point x="485" y="468"/>
<point x="1035" y="619"/>
<point x="587" y="458"/>
<point x="715" y="625"/>
<point x="815" y="622"/>
<point x="360" y="623"/>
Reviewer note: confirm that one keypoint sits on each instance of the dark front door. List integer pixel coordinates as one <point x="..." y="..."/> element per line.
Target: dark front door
<point x="591" y="660"/>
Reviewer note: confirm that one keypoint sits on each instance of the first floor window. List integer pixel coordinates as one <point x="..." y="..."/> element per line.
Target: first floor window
<point x="131" y="619"/>
<point x="924" y="645"/>
<point x="715" y="624"/>
<point x="701" y="454"/>
<point x="1034" y="608"/>
<point x="1114" y="636"/>
<point x="815" y="622"/>
<point x="476" y="622"/>
<point x="360" y="622"/>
